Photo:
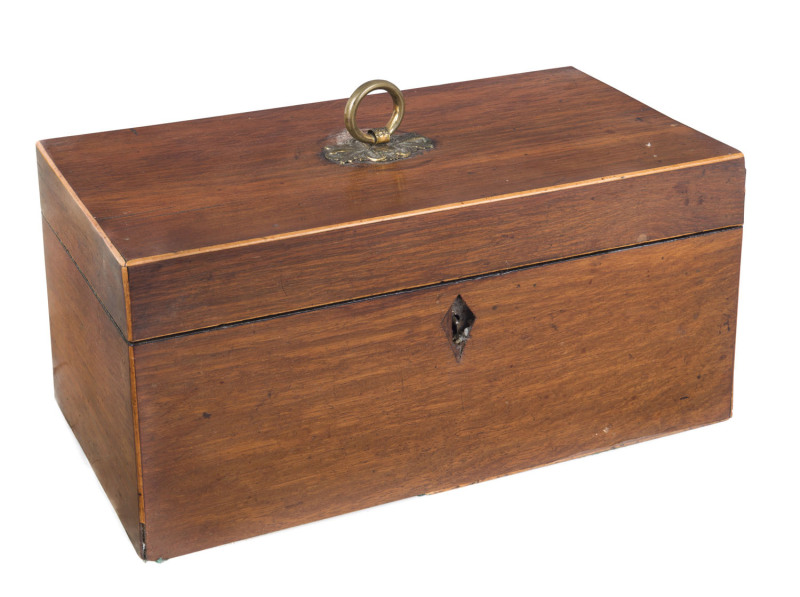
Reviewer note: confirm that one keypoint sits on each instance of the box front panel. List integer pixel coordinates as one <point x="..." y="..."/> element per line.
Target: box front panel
<point x="260" y="426"/>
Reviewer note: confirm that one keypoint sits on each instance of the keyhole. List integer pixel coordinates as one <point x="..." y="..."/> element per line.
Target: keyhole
<point x="458" y="323"/>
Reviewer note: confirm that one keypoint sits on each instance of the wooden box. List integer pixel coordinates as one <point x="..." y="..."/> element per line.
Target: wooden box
<point x="248" y="337"/>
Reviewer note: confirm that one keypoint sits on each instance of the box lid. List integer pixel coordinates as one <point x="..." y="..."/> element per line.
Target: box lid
<point x="197" y="224"/>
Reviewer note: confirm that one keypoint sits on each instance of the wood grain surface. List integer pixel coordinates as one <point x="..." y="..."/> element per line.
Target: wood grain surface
<point x="251" y="428"/>
<point x="237" y="217"/>
<point x="190" y="185"/>
<point x="93" y="383"/>
<point x="246" y="337"/>
<point x="83" y="238"/>
<point x="255" y="280"/>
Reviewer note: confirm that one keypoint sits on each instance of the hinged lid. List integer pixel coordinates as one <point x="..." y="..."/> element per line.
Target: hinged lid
<point x="197" y="224"/>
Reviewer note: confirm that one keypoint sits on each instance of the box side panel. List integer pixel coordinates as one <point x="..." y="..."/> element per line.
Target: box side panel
<point x="256" y="427"/>
<point x="96" y="258"/>
<point x="92" y="382"/>
<point x="207" y="289"/>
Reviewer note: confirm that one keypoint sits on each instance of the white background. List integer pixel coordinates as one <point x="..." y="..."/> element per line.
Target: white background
<point x="711" y="511"/>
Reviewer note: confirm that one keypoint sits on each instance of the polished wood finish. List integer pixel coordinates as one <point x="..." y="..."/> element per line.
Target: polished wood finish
<point x="231" y="218"/>
<point x="93" y="383"/>
<point x="98" y="260"/>
<point x="256" y="427"/>
<point x="254" y="280"/>
<point x="247" y="337"/>
<point x="190" y="185"/>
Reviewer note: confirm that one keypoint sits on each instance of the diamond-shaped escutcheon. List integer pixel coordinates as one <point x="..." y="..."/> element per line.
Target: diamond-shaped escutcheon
<point x="457" y="324"/>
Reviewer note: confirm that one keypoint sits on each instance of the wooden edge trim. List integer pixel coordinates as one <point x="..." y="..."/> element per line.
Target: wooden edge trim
<point x="127" y="295"/>
<point x="138" y="449"/>
<point x="46" y="156"/>
<point x="430" y="210"/>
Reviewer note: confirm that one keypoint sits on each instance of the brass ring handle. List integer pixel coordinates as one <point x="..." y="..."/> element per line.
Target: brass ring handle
<point x="380" y="135"/>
